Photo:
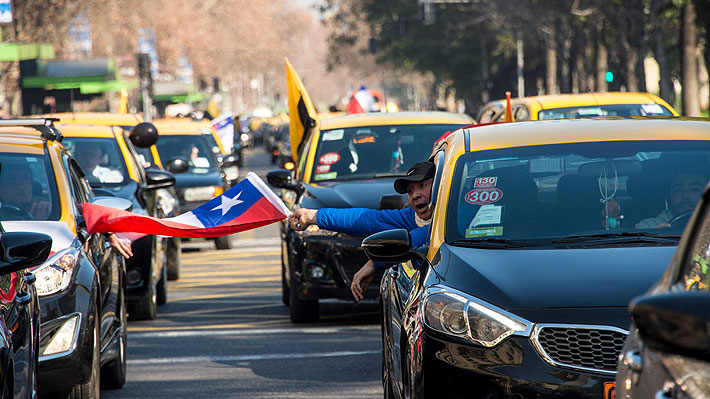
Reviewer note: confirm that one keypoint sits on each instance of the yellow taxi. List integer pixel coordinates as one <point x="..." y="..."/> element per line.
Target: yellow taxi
<point x="347" y="162"/>
<point x="542" y="233"/>
<point x="112" y="166"/>
<point x="586" y="105"/>
<point x="81" y="286"/>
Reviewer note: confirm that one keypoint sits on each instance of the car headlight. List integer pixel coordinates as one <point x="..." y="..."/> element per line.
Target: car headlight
<point x="454" y="313"/>
<point x="201" y="193"/>
<point x="232" y="173"/>
<point x="244" y="137"/>
<point x="55" y="275"/>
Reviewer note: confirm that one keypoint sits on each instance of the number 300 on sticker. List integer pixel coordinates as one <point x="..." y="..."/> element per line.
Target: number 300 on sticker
<point x="483" y="196"/>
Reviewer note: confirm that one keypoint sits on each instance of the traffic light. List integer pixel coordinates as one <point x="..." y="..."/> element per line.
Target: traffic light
<point x="609" y="76"/>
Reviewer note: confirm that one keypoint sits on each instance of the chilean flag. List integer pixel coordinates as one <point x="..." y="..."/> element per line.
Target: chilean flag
<point x="247" y="205"/>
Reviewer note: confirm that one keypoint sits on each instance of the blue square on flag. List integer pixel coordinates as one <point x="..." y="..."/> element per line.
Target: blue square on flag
<point x="229" y="205"/>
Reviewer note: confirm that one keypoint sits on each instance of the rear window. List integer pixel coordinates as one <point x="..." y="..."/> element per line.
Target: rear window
<point x="28" y="190"/>
<point x="591" y="111"/>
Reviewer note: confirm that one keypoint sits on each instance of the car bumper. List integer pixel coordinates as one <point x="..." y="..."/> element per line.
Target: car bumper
<point x="512" y="369"/>
<point x="70" y="365"/>
<point x="326" y="265"/>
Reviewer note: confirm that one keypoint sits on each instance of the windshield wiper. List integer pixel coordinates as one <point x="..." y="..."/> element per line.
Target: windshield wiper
<point x="639" y="237"/>
<point x="491" y="242"/>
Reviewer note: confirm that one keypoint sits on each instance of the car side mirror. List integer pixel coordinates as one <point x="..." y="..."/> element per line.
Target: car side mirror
<point x="177" y="165"/>
<point x="159" y="179"/>
<point x="390" y="246"/>
<point x="113" y="202"/>
<point x="675" y="323"/>
<point x="229" y="160"/>
<point x="21" y="250"/>
<point x="283" y="178"/>
<point x="143" y="135"/>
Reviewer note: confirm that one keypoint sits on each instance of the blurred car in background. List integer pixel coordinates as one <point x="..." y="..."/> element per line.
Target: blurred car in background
<point x="199" y="177"/>
<point x="539" y="239"/>
<point x="667" y="353"/>
<point x="113" y="167"/>
<point x="82" y="285"/>
<point x="571" y="106"/>
<point x="347" y="162"/>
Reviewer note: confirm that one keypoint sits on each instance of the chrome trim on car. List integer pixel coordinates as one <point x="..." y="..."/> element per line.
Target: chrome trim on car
<point x="538" y="346"/>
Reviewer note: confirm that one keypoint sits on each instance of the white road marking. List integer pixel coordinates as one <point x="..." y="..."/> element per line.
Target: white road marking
<point x="256" y="331"/>
<point x="242" y="358"/>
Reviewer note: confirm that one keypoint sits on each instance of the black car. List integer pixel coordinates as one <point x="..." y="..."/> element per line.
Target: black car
<point x="81" y="286"/>
<point x="542" y="232"/>
<point x="349" y="162"/>
<point x="667" y="353"/>
<point x="121" y="173"/>
<point x="199" y="176"/>
<point x="19" y="311"/>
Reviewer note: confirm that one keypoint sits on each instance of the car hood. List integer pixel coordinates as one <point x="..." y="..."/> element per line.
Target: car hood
<point x="62" y="236"/>
<point x="350" y="194"/>
<point x="555" y="278"/>
<point x="212" y="178"/>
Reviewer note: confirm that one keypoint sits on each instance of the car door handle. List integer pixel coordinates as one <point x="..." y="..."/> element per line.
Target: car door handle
<point x="633" y="360"/>
<point x="30" y="278"/>
<point x="23" y="299"/>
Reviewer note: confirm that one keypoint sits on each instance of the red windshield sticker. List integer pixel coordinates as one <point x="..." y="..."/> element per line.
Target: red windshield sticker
<point x="322" y="168"/>
<point x="485" y="182"/>
<point x="329" y="158"/>
<point x="483" y="196"/>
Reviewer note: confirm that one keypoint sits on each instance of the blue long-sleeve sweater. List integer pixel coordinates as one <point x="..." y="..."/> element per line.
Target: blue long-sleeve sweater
<point x="363" y="222"/>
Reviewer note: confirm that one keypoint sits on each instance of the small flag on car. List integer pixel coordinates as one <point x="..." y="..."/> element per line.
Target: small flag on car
<point x="247" y="205"/>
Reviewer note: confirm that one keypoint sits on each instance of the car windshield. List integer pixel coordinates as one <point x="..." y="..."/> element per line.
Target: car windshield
<point x="101" y="159"/>
<point x="191" y="148"/>
<point x="636" y="191"/>
<point x="28" y="190"/>
<point x="590" y="111"/>
<point x="373" y="151"/>
<point x="211" y="141"/>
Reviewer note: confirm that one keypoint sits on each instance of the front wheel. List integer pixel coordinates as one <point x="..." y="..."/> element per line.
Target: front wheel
<point x="173" y="253"/>
<point x="161" y="289"/>
<point x="302" y="310"/>
<point x="146" y="308"/>
<point x="113" y="375"/>
<point x="223" y="242"/>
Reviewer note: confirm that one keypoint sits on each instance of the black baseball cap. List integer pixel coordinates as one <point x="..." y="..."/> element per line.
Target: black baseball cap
<point x="419" y="172"/>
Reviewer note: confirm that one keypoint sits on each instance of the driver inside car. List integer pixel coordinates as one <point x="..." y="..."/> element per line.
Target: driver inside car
<point x="685" y="189"/>
<point x="16" y="184"/>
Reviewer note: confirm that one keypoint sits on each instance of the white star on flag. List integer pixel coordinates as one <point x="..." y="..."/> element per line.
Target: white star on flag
<point x="228" y="203"/>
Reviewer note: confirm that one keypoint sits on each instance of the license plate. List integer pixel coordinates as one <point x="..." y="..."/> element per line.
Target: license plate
<point x="610" y="390"/>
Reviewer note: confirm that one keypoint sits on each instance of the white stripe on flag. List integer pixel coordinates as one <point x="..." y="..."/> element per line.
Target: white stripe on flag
<point x="268" y="193"/>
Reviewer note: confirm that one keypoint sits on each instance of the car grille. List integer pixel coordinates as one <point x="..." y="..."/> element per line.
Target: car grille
<point x="590" y="348"/>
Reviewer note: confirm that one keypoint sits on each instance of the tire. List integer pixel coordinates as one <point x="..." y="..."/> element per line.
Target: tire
<point x="145" y="308"/>
<point x="173" y="253"/>
<point x="113" y="375"/>
<point x="223" y="242"/>
<point x="302" y="311"/>
<point x="161" y="289"/>
<point x="285" y="294"/>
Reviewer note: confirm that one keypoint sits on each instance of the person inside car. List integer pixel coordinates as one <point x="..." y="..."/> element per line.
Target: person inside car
<point x="362" y="222"/>
<point x="90" y="156"/>
<point x="684" y="191"/>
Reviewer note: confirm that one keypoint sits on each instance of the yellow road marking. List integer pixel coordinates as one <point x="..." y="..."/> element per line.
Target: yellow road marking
<point x="232" y="255"/>
<point x="227" y="295"/>
<point x="208" y="327"/>
<point x="224" y="281"/>
<point x="201" y="312"/>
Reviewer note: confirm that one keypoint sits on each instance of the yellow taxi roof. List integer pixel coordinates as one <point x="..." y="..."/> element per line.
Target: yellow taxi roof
<point x="97" y="118"/>
<point x="23" y="140"/>
<point x="530" y="133"/>
<point x="394" y="118"/>
<point x="572" y="100"/>
<point x="171" y="130"/>
<point x="86" y="130"/>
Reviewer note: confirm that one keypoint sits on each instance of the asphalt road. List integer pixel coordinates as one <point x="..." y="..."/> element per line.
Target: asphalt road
<point x="224" y="332"/>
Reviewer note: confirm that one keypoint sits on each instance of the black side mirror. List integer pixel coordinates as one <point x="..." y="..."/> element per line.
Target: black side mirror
<point x="229" y="160"/>
<point x="391" y="246"/>
<point x="159" y="179"/>
<point x="675" y="323"/>
<point x="21" y="250"/>
<point x="283" y="178"/>
<point x="144" y="135"/>
<point x="177" y="165"/>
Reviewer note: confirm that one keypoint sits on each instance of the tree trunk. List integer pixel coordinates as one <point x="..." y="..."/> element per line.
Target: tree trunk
<point x="602" y="65"/>
<point x="689" y="62"/>
<point x="639" y="42"/>
<point x="550" y="63"/>
<point x="659" y="50"/>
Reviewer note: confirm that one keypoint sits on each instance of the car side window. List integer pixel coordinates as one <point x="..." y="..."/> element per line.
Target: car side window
<point x="695" y="273"/>
<point x="79" y="185"/>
